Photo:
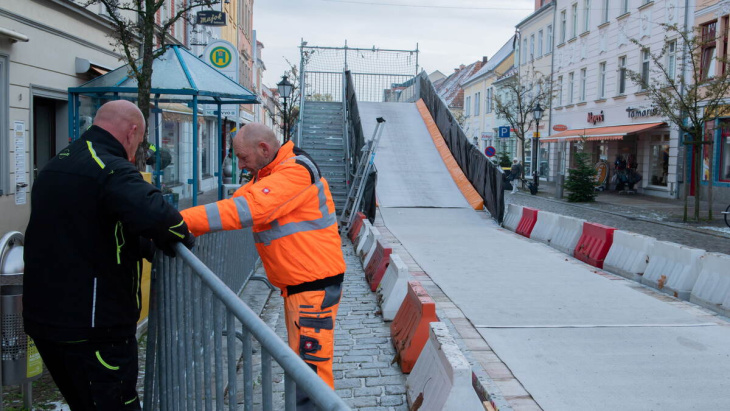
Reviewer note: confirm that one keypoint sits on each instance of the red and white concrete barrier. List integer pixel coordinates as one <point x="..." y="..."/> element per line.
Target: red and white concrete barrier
<point x="512" y="217"/>
<point x="369" y="247"/>
<point x="629" y="254"/>
<point x="409" y="329"/>
<point x="393" y="287"/>
<point x="545" y="228"/>
<point x="674" y="269"/>
<point x="442" y="376"/>
<point x="360" y="240"/>
<point x="567" y="233"/>
<point x="712" y="289"/>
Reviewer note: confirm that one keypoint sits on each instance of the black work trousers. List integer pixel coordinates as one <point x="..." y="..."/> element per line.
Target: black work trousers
<point x="92" y="375"/>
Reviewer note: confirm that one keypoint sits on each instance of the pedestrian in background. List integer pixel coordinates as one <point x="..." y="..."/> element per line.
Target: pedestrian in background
<point x="289" y="206"/>
<point x="91" y="217"/>
<point x="515" y="173"/>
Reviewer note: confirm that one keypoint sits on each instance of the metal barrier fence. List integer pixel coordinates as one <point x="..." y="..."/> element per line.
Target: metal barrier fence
<point x="200" y="335"/>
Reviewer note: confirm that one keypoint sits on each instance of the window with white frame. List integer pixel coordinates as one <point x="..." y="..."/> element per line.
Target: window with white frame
<point x="583" y="74"/>
<point x="477" y="103"/>
<point x="563" y="23"/>
<point x="488" y="108"/>
<point x="467" y="106"/>
<point x="574" y="20"/>
<point x="539" y="43"/>
<point x="571" y="82"/>
<point x="645" y="57"/>
<point x="586" y="15"/>
<point x="672" y="59"/>
<point x="559" y="92"/>
<point x="532" y="47"/>
<point x="549" y="43"/>
<point x="602" y="80"/>
<point x="624" y="7"/>
<point x="606" y="7"/>
<point x="621" y="75"/>
<point x="524" y="51"/>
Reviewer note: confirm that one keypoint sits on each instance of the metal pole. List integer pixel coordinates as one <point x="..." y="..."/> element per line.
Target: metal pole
<point x="195" y="150"/>
<point x="158" y="165"/>
<point x="220" y="157"/>
<point x="535" y="176"/>
<point x="285" y="127"/>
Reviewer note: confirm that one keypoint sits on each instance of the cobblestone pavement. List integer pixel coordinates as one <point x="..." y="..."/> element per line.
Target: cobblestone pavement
<point x="640" y="214"/>
<point x="364" y="376"/>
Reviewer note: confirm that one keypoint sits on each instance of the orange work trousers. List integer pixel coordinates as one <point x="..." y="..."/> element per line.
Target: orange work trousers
<point x="310" y="324"/>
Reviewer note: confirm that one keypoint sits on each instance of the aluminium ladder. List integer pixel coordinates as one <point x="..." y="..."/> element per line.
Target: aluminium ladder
<point x="357" y="189"/>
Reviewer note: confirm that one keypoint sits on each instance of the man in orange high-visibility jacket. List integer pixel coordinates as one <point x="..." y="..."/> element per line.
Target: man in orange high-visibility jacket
<point x="289" y="206"/>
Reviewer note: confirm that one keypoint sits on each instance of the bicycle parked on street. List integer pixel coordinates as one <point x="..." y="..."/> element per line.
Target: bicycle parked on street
<point x="726" y="214"/>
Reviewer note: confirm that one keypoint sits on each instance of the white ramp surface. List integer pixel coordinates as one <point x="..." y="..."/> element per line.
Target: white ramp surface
<point x="413" y="173"/>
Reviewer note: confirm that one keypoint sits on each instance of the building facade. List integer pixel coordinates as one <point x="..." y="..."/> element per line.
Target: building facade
<point x="597" y="108"/>
<point x="480" y="120"/>
<point x="45" y="48"/>
<point x="712" y="17"/>
<point x="534" y="62"/>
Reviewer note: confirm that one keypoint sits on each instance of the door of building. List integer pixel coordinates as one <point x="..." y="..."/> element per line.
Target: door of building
<point x="44" y="132"/>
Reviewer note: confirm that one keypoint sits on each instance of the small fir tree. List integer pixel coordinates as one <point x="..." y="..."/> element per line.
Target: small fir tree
<point x="504" y="160"/>
<point x="581" y="180"/>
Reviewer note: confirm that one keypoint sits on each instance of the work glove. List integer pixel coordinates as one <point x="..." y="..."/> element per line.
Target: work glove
<point x="180" y="233"/>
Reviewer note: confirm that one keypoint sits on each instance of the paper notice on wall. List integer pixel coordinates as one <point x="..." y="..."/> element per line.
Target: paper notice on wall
<point x="20" y="167"/>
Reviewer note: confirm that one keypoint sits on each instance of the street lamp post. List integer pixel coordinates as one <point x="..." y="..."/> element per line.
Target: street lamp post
<point x="537" y="113"/>
<point x="285" y="89"/>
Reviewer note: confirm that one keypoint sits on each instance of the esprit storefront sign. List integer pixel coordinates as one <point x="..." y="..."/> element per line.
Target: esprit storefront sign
<point x="595" y="118"/>
<point x="642" y="112"/>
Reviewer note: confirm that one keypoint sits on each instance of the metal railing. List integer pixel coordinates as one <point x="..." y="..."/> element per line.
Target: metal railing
<point x="201" y="336"/>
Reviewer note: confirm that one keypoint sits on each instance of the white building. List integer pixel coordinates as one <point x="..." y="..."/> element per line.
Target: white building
<point x="45" y="48"/>
<point x="596" y="102"/>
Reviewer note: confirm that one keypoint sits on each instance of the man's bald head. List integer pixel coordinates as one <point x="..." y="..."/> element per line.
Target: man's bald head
<point x="124" y="121"/>
<point x="255" y="146"/>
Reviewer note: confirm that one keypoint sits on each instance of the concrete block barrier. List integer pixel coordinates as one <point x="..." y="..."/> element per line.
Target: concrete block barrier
<point x="377" y="265"/>
<point x="594" y="243"/>
<point x="409" y="329"/>
<point x="361" y="236"/>
<point x="527" y="222"/>
<point x="567" y="233"/>
<point x="355" y="226"/>
<point x="512" y="217"/>
<point x="369" y="248"/>
<point x="673" y="269"/>
<point x="442" y="376"/>
<point x="629" y="254"/>
<point x="393" y="287"/>
<point x="712" y="289"/>
<point x="545" y="227"/>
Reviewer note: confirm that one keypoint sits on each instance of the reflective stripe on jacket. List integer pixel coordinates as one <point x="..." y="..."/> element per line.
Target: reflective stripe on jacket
<point x="290" y="208"/>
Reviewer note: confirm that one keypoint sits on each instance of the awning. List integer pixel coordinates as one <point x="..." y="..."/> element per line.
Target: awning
<point x="600" y="133"/>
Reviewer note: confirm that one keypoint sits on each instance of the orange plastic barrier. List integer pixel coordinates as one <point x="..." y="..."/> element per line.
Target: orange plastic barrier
<point x="594" y="244"/>
<point x="469" y="192"/>
<point x="409" y="329"/>
<point x="355" y="226"/>
<point x="377" y="265"/>
<point x="527" y="222"/>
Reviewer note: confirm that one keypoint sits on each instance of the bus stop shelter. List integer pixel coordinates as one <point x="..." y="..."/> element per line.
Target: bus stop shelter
<point x="178" y="76"/>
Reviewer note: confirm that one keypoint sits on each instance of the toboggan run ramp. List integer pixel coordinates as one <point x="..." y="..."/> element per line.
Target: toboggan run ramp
<point x="574" y="339"/>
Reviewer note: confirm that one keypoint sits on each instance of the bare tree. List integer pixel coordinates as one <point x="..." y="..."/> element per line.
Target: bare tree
<point x="515" y="99"/>
<point x="689" y="92"/>
<point x="137" y="34"/>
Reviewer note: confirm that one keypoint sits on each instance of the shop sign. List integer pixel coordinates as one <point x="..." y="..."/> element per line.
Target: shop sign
<point x="560" y="127"/>
<point x="595" y="118"/>
<point x="210" y="18"/>
<point x="487" y="135"/>
<point x="642" y="112"/>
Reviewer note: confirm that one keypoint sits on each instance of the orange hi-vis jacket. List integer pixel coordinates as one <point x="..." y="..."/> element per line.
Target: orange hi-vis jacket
<point x="290" y="208"/>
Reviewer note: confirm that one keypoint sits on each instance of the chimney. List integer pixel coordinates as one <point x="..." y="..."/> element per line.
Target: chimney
<point x="462" y="67"/>
<point x="484" y="60"/>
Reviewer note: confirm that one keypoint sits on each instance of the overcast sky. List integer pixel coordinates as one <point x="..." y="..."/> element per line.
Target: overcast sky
<point x="448" y="32"/>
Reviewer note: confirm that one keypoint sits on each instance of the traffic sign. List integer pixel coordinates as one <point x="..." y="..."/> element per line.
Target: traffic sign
<point x="503" y="131"/>
<point x="490" y="151"/>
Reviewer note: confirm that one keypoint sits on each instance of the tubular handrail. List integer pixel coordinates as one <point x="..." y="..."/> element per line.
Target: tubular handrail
<point x="305" y="378"/>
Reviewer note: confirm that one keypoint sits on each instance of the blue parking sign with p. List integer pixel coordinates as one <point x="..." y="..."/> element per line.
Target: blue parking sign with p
<point x="503" y="131"/>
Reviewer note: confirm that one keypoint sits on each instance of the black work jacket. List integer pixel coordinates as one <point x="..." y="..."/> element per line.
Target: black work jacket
<point x="89" y="207"/>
